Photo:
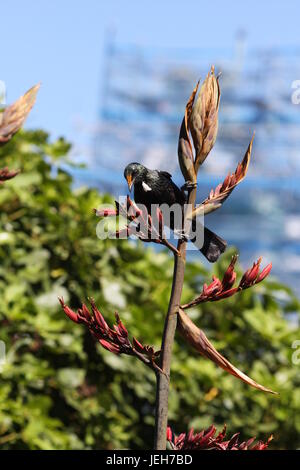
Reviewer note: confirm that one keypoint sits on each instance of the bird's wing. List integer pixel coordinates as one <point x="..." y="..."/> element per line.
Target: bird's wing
<point x="166" y="174"/>
<point x="179" y="195"/>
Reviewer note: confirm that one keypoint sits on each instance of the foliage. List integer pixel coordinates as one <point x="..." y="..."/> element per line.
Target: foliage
<point x="58" y="388"/>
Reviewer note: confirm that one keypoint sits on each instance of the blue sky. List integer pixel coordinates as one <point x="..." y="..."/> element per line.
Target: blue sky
<point x="60" y="43"/>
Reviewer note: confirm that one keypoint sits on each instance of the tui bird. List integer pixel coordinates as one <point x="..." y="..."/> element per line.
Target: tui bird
<point x="157" y="187"/>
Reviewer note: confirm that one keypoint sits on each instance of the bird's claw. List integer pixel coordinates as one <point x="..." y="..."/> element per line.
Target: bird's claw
<point x="189" y="185"/>
<point x="181" y="235"/>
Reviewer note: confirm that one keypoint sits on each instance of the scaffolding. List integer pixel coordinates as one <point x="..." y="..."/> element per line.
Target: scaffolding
<point x="145" y="90"/>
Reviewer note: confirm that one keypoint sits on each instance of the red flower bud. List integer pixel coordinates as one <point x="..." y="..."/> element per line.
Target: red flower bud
<point x="254" y="271"/>
<point x="229" y="277"/>
<point x="250" y="275"/>
<point x="169" y="434"/>
<point x="121" y="327"/>
<point x="70" y="313"/>
<point x="264" y="273"/>
<point x="85" y="312"/>
<point x="138" y="346"/>
<point x="214" y="287"/>
<point x="106" y="212"/>
<point x="109" y="346"/>
<point x="99" y="317"/>
<point x="226" y="294"/>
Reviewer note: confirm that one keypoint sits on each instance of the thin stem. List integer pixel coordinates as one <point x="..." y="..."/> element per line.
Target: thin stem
<point x="171" y="247"/>
<point x="191" y="304"/>
<point x="163" y="379"/>
<point x="146" y="361"/>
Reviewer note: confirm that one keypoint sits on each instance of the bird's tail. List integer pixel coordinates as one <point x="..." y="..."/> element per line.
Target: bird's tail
<point x="213" y="245"/>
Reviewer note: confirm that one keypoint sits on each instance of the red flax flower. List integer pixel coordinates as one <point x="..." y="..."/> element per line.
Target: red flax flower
<point x="207" y="440"/>
<point x="115" y="339"/>
<point x="218" y="289"/>
<point x="141" y="224"/>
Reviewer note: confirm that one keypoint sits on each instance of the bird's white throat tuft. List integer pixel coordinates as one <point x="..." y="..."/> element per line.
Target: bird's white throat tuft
<point x="146" y="187"/>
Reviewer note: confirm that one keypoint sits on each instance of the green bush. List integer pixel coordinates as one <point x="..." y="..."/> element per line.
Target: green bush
<point x="58" y="389"/>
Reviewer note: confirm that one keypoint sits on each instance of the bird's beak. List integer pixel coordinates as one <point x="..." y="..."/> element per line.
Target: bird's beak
<point x="129" y="181"/>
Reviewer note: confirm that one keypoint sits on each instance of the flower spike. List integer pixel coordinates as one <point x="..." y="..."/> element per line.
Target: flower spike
<point x="115" y="339"/>
<point x="218" y="290"/>
<point x="140" y="223"/>
<point x="206" y="440"/>
<point x="219" y="195"/>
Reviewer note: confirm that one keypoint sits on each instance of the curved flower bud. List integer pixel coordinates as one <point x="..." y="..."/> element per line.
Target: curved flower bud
<point x="199" y="341"/>
<point x="204" y="118"/>
<point x="13" y="117"/>
<point x="250" y="275"/>
<point x="185" y="150"/>
<point x="264" y="273"/>
<point x="229" y="277"/>
<point x="68" y="311"/>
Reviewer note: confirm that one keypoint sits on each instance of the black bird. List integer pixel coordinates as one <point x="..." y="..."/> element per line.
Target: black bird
<point x="157" y="187"/>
